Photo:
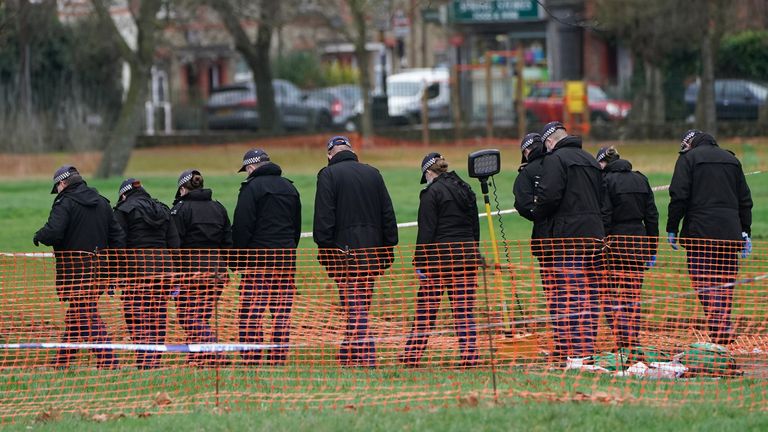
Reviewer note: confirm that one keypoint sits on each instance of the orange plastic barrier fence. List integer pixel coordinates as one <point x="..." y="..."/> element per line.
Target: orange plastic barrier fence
<point x="150" y="331"/>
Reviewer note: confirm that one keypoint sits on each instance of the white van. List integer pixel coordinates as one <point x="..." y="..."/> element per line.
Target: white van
<point x="406" y="89"/>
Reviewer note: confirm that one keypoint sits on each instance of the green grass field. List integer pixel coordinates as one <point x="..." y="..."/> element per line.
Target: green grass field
<point x="26" y="203"/>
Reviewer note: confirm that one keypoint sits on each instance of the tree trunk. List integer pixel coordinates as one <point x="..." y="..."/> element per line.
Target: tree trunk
<point x="706" y="119"/>
<point x="262" y="70"/>
<point x="256" y="56"/>
<point x="358" y="11"/>
<point x="657" y="112"/>
<point x="122" y="138"/>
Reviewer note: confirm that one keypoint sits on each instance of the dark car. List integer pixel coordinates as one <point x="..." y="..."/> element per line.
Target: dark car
<point x="235" y="107"/>
<point x="344" y="102"/>
<point x="545" y="104"/>
<point x="735" y="99"/>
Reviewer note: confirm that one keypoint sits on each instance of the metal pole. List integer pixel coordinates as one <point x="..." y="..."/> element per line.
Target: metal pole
<point x="490" y="336"/>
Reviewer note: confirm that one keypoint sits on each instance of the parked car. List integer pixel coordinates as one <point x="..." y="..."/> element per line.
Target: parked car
<point x="545" y="103"/>
<point x="406" y="90"/>
<point x="344" y="102"/>
<point x="735" y="99"/>
<point x="235" y="107"/>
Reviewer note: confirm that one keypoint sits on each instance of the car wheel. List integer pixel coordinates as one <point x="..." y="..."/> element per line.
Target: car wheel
<point x="350" y="125"/>
<point x="324" y="121"/>
<point x="530" y="118"/>
<point x="600" y="119"/>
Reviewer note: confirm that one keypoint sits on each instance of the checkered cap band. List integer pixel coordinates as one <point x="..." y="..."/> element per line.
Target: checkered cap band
<point x="185" y="179"/>
<point x="125" y="188"/>
<point x="62" y="176"/>
<point x="689" y="136"/>
<point x="547" y="133"/>
<point x="429" y="163"/>
<point x="249" y="161"/>
<point x="601" y="154"/>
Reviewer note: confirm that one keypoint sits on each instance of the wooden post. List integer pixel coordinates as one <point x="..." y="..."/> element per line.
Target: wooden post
<point x="488" y="97"/>
<point x="520" y="92"/>
<point x="425" y="115"/>
<point x="456" y="101"/>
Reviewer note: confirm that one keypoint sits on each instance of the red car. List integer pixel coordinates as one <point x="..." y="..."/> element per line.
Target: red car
<point x="545" y="104"/>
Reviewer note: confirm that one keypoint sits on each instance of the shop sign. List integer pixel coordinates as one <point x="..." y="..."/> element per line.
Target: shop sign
<point x="469" y="11"/>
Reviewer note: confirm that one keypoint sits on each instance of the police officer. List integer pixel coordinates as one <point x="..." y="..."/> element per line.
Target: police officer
<point x="446" y="259"/>
<point x="151" y="233"/>
<point x="80" y="223"/>
<point x="355" y="230"/>
<point x="204" y="228"/>
<point x="524" y="189"/>
<point x="710" y="194"/>
<point x="632" y="226"/>
<point x="529" y="175"/>
<point x="266" y="230"/>
<point x="570" y="193"/>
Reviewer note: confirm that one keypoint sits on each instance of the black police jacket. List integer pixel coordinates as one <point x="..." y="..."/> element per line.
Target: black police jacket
<point x="202" y="223"/>
<point x="710" y="194"/>
<point x="267" y="216"/>
<point x="629" y="209"/>
<point x="524" y="189"/>
<point x="148" y="225"/>
<point x="80" y="220"/>
<point x="449" y="228"/>
<point x="353" y="210"/>
<point x="570" y="192"/>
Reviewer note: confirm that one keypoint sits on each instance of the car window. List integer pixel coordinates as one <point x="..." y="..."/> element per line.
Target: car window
<point x="279" y="88"/>
<point x="596" y="94"/>
<point x="736" y="90"/>
<point x="291" y="91"/>
<point x="760" y="92"/>
<point x="229" y="96"/>
<point x="557" y="92"/>
<point x="403" y="88"/>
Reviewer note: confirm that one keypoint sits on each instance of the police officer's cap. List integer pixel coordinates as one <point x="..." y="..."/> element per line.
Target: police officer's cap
<point x="427" y="162"/>
<point x="253" y="156"/>
<point x="337" y="141"/>
<point x="128" y="185"/>
<point x="686" y="142"/>
<point x="529" y="140"/>
<point x="63" y="173"/>
<point x="187" y="176"/>
<point x="601" y="154"/>
<point x="550" y="128"/>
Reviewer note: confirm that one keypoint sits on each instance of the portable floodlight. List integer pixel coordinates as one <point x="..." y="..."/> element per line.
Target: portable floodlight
<point x="484" y="163"/>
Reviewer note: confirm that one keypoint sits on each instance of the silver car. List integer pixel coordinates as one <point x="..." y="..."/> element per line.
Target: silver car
<point x="235" y="106"/>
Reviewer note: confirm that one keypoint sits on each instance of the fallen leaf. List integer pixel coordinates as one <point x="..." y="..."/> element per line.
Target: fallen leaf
<point x="350" y="407"/>
<point x="100" y="418"/>
<point x="471" y="400"/>
<point x="50" y="414"/>
<point x="144" y="414"/>
<point x="162" y="399"/>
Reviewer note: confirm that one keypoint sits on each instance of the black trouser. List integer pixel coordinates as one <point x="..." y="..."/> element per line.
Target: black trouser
<point x="83" y="324"/>
<point x="461" y="287"/>
<point x="146" y="316"/>
<point x="259" y="292"/>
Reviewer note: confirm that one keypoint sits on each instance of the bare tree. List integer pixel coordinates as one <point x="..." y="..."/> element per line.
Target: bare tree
<point x="651" y="29"/>
<point x="256" y="53"/>
<point x="122" y="138"/>
<point x="714" y="16"/>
